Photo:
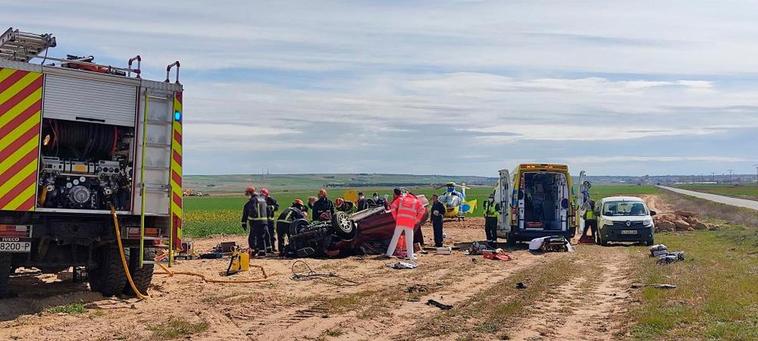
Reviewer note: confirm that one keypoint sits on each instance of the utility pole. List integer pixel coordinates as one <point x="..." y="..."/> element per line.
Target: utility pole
<point x="756" y="172"/>
<point x="713" y="177"/>
<point x="730" y="175"/>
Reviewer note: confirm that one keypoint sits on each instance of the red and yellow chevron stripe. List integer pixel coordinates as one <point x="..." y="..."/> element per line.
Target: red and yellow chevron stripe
<point x="176" y="171"/>
<point x="20" y="119"/>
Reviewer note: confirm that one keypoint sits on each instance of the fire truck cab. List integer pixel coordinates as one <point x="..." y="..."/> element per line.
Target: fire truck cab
<point x="84" y="148"/>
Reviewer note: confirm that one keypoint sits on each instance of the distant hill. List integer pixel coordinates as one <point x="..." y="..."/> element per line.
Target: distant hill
<point x="237" y="182"/>
<point x="234" y="183"/>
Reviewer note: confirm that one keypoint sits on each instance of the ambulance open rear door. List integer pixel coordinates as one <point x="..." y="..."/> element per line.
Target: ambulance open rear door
<point x="503" y="196"/>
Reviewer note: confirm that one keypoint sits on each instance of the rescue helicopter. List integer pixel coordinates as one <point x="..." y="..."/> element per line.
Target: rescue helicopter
<point x="456" y="206"/>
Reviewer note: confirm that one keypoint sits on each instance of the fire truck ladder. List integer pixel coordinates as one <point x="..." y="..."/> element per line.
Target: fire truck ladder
<point x="146" y="147"/>
<point x="23" y="46"/>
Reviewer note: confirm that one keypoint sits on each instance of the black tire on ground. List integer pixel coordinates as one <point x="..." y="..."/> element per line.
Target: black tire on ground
<point x="141" y="276"/>
<point x="650" y="241"/>
<point x="109" y="277"/>
<point x="295" y="228"/>
<point x="603" y="242"/>
<point x="510" y="240"/>
<point x="5" y="274"/>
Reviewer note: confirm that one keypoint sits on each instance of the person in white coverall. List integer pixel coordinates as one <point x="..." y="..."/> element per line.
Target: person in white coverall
<point x="407" y="211"/>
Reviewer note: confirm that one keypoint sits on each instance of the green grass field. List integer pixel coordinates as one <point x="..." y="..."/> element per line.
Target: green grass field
<point x="205" y="216"/>
<point x="716" y="296"/>
<point x="749" y="191"/>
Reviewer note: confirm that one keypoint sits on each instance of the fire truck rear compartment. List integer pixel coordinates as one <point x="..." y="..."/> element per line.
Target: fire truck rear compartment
<point x="85" y="165"/>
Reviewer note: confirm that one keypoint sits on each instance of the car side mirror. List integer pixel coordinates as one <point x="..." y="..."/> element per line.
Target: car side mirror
<point x="652" y="213"/>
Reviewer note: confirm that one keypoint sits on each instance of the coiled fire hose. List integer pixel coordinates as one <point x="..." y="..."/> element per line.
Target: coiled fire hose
<point x="210" y="280"/>
<point x="168" y="272"/>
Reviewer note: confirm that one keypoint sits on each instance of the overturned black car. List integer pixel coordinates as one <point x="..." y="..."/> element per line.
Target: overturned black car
<point x="365" y="232"/>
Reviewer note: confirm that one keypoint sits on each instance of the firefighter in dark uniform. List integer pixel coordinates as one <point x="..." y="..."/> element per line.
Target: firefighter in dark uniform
<point x="285" y="219"/>
<point x="438" y="215"/>
<point x="323" y="208"/>
<point x="255" y="218"/>
<point x="362" y="202"/>
<point x="490" y="219"/>
<point x="272" y="206"/>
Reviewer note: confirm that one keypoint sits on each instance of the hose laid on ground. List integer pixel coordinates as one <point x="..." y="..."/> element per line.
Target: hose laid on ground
<point x="117" y="227"/>
<point x="309" y="274"/>
<point x="209" y="280"/>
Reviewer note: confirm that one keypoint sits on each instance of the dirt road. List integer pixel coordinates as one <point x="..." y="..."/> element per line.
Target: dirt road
<point x="579" y="295"/>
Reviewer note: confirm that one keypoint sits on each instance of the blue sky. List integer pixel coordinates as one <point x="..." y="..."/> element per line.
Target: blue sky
<point x="434" y="87"/>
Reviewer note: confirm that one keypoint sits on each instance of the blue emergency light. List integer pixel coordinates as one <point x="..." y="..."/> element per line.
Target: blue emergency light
<point x="177" y="116"/>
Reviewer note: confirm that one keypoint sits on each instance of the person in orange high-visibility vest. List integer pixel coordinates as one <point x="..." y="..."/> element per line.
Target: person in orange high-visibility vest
<point x="407" y="211"/>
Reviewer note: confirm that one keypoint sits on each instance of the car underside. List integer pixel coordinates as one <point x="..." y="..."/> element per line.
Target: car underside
<point x="365" y="232"/>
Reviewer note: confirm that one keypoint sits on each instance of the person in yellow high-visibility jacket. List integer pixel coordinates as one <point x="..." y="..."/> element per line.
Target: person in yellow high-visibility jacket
<point x="491" y="212"/>
<point x="590" y="221"/>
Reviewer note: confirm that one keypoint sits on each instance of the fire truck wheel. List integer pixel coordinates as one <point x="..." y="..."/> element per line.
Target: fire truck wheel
<point x="141" y="276"/>
<point x="5" y="273"/>
<point x="109" y="277"/>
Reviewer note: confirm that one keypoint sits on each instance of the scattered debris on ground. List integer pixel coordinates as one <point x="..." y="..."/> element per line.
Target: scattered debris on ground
<point x="665" y="256"/>
<point x="439" y="304"/>
<point x="417" y="288"/>
<point x="497" y="254"/>
<point x="402" y="265"/>
<point x="657" y="286"/>
<point x="302" y="271"/>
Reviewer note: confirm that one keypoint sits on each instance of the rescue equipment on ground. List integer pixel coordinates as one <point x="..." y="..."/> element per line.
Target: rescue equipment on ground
<point x="550" y="244"/>
<point x="239" y="261"/>
<point x="497" y="254"/>
<point x="665" y="256"/>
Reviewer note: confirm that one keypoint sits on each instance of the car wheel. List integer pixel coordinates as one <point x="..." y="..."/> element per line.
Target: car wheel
<point x="602" y="240"/>
<point x="344" y="227"/>
<point x="650" y="241"/>
<point x="297" y="226"/>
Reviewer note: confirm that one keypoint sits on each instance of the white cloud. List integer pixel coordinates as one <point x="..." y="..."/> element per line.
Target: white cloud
<point x="598" y="159"/>
<point x="221" y="131"/>
<point x="550" y="132"/>
<point x="340" y="76"/>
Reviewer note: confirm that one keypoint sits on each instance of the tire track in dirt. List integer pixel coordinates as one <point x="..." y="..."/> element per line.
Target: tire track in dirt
<point x="454" y="283"/>
<point x="585" y="307"/>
